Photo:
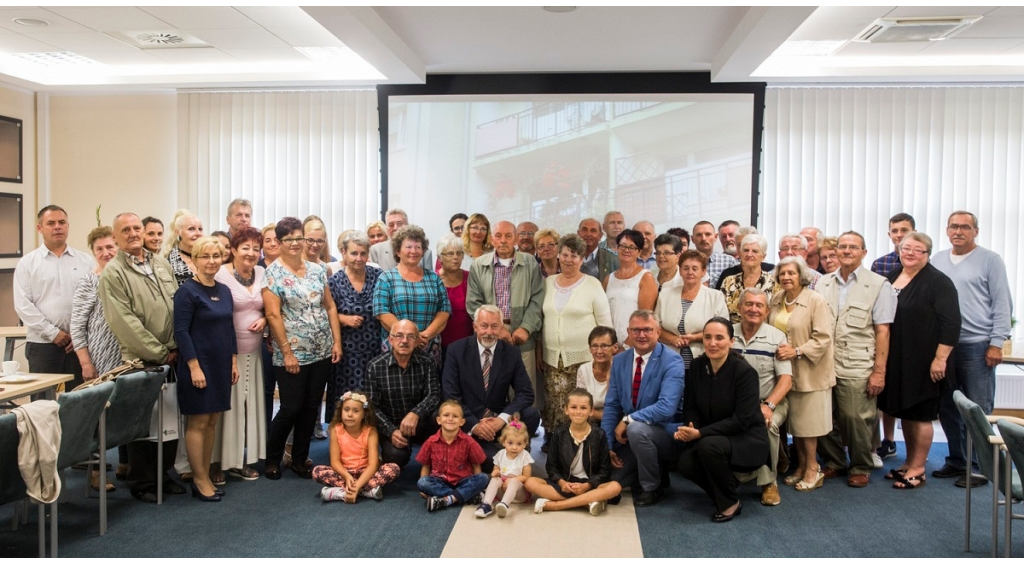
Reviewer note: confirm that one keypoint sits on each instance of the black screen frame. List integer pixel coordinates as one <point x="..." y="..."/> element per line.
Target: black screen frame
<point x="576" y="83"/>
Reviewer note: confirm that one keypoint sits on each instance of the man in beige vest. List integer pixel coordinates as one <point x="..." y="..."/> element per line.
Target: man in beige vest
<point x="864" y="304"/>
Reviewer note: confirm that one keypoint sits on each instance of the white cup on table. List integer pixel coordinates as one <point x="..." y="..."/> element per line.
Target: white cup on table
<point x="11" y="367"/>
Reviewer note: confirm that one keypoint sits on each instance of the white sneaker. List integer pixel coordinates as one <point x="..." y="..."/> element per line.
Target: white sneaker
<point x="598" y="507"/>
<point x="501" y="509"/>
<point x="483" y="511"/>
<point x="538" y="507"/>
<point x="373" y="493"/>
<point x="332" y="494"/>
<point x="876" y="460"/>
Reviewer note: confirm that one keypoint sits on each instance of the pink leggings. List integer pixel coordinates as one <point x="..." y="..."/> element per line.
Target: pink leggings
<point x="386" y="474"/>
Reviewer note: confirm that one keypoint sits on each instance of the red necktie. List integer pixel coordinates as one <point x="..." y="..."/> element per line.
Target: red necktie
<point x="636" y="379"/>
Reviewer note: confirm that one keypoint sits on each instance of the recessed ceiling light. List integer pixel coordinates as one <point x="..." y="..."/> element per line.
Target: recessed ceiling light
<point x="560" y="9"/>
<point x="54" y="59"/>
<point x="31" y="22"/>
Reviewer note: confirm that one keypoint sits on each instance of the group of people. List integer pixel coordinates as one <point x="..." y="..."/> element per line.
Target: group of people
<point x="638" y="354"/>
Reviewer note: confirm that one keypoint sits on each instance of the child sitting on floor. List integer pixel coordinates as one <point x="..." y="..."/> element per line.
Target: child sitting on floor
<point x="511" y="469"/>
<point x="451" y="462"/>
<point x="355" y="459"/>
<point x="579" y="464"/>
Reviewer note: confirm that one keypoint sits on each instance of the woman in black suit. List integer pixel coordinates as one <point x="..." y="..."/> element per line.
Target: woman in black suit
<point x="722" y="427"/>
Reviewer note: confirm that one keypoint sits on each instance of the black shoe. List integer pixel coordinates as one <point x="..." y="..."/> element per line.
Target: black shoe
<point x="976" y="481"/>
<point x="201" y="497"/>
<point x="302" y="472"/>
<point x="647" y="498"/>
<point x="147" y="495"/>
<point x="173" y="488"/>
<point x="272" y="472"/>
<point x="948" y="471"/>
<point x="721" y="518"/>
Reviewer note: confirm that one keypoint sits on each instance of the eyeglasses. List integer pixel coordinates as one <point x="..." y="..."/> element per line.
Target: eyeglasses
<point x="959" y="227"/>
<point x="447" y="254"/>
<point x="210" y="257"/>
<point x="641" y="330"/>
<point x="601" y="346"/>
<point x="547" y="246"/>
<point x="628" y="248"/>
<point x="404" y="336"/>
<point x="790" y="249"/>
<point x="478" y="228"/>
<point x="664" y="254"/>
<point x="292" y="240"/>
<point x="526" y="233"/>
<point x="315" y="242"/>
<point x="909" y="251"/>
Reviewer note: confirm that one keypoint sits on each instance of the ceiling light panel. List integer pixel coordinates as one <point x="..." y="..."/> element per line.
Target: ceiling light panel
<point x="159" y="39"/>
<point x="54" y="59"/>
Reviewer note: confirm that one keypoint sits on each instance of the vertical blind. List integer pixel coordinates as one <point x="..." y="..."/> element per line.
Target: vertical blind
<point x="849" y="158"/>
<point x="290" y="153"/>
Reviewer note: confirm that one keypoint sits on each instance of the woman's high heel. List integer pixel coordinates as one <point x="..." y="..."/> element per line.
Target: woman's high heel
<point x="196" y="494"/>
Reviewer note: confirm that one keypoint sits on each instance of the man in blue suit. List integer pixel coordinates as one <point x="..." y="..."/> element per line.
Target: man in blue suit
<point x="644" y="391"/>
<point x="479" y="372"/>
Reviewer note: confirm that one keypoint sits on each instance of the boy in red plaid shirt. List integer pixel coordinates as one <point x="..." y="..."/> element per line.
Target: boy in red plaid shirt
<point x="451" y="462"/>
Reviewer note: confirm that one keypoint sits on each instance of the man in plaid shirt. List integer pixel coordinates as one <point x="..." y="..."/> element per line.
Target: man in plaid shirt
<point x="704" y="237"/>
<point x="405" y="391"/>
<point x="899" y="225"/>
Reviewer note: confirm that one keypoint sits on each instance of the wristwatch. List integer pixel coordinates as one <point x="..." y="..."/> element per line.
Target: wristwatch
<point x="798" y="353"/>
<point x="625" y="419"/>
<point x="770" y="405"/>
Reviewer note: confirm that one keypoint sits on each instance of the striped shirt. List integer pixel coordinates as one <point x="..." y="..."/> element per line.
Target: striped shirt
<point x="89" y="328"/>
<point x="759" y="352"/>
<point x="44" y="290"/>
<point x="503" y="285"/>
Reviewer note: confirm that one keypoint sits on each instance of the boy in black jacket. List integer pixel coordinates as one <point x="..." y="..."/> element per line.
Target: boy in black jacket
<point x="578" y="463"/>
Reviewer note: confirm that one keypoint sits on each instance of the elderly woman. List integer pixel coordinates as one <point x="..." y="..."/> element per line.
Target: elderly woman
<point x="410" y="292"/>
<point x="204" y="332"/>
<point x="827" y="255"/>
<point x="243" y="430"/>
<point x="95" y="344"/>
<point x="376" y="232"/>
<point x="476" y="238"/>
<point x="631" y="287"/>
<point x="307" y="340"/>
<point x="806" y="319"/>
<point x="574" y="304"/>
<point x="685" y="308"/>
<point x="667" y="248"/>
<point x="546" y="243"/>
<point x="924" y="332"/>
<point x="185" y="229"/>
<point x="352" y="290"/>
<point x="152" y="234"/>
<point x="722" y="427"/>
<point x="456" y="283"/>
<point x="752" y="252"/>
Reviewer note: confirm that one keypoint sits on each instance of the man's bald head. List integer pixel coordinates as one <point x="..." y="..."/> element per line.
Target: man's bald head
<point x="503" y="238"/>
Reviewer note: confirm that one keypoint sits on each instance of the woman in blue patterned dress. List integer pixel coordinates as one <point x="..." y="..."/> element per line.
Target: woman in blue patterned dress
<point x="352" y="291"/>
<point x="409" y="292"/>
<point x="307" y="340"/>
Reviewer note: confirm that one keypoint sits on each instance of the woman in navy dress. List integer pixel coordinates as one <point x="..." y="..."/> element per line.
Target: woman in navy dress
<point x="352" y="290"/>
<point x="207" y="366"/>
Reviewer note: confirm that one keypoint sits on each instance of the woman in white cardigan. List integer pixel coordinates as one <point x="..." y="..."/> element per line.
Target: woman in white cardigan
<point x="574" y="304"/>
<point x="684" y="308"/>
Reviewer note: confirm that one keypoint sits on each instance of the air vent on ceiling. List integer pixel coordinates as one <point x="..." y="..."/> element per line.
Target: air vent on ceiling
<point x="896" y="30"/>
<point x="159" y="39"/>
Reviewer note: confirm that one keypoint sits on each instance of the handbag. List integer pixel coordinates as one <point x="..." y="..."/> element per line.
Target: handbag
<point x="133" y="365"/>
<point x="169" y="427"/>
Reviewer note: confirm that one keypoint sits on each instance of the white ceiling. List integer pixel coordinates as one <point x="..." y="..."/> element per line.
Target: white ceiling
<point x="255" y="46"/>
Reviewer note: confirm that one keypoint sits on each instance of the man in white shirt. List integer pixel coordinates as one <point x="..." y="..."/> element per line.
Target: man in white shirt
<point x="382" y="253"/>
<point x="44" y="289"/>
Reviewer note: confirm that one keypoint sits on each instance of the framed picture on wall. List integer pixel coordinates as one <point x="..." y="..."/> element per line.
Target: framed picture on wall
<point x="10" y="225"/>
<point x="10" y="149"/>
<point x="8" y="317"/>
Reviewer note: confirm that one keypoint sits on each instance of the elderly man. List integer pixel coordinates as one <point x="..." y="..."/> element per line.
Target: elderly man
<point x="512" y="282"/>
<point x="614" y="223"/>
<point x="704" y="241"/>
<point x="645" y="257"/>
<point x="598" y="262"/>
<point x="814" y="237"/>
<point x="44" y="289"/>
<point x="137" y="291"/>
<point x="403" y="386"/>
<point x="644" y="389"/>
<point x="384" y="255"/>
<point x="239" y="215"/>
<point x="985" y="305"/>
<point x="727" y="237"/>
<point x="863" y="305"/>
<point x="524" y="236"/>
<point x="482" y="372"/>
<point x="758" y="341"/>
<point x="899" y="225"/>
<point x="794" y="245"/>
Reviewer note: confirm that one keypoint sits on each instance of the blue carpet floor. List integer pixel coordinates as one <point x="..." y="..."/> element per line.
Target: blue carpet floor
<point x="285" y="518"/>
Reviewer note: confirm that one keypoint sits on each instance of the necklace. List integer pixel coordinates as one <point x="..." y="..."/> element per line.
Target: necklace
<point x="245" y="281"/>
<point x="214" y="297"/>
<point x="184" y="252"/>
<point x="791" y="303"/>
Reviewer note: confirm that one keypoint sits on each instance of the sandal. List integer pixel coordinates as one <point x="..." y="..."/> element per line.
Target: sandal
<point x="217" y="477"/>
<point x="792" y="479"/>
<point x="94" y="482"/>
<point x="819" y="481"/>
<point x="895" y="473"/>
<point x="246" y="473"/>
<point x="910" y="482"/>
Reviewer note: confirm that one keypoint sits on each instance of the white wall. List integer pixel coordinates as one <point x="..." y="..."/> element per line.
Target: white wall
<point x="114" y="151"/>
